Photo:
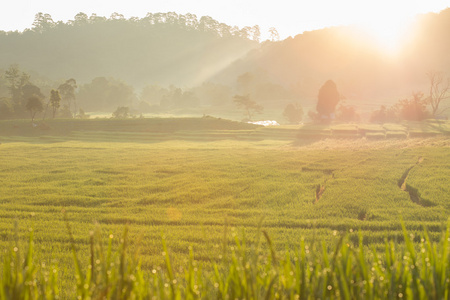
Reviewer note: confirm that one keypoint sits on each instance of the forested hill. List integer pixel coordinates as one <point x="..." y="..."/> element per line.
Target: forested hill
<point x="361" y="68"/>
<point x="163" y="47"/>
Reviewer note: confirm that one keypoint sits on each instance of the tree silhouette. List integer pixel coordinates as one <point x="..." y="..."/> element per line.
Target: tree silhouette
<point x="328" y="98"/>
<point x="414" y="109"/>
<point x="34" y="105"/>
<point x="293" y="112"/>
<point x="438" y="91"/>
<point x="250" y="106"/>
<point x="55" y="101"/>
<point x="67" y="91"/>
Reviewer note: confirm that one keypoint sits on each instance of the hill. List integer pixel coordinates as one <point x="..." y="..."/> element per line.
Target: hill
<point x="364" y="72"/>
<point x="163" y="47"/>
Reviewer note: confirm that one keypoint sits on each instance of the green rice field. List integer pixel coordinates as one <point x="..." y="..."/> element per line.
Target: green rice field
<point x="199" y="184"/>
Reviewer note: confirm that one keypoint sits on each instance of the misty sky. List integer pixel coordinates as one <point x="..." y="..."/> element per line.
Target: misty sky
<point x="288" y="16"/>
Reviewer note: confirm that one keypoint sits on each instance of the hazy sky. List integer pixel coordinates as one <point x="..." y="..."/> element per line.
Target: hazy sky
<point x="290" y="17"/>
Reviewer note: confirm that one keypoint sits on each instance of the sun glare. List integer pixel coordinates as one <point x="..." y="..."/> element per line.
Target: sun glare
<point x="387" y="35"/>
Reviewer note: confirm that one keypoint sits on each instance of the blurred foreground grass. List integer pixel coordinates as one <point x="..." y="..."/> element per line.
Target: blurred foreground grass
<point x="244" y="271"/>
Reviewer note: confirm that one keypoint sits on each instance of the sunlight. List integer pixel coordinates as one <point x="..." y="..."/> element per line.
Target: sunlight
<point x="388" y="35"/>
<point x="387" y="25"/>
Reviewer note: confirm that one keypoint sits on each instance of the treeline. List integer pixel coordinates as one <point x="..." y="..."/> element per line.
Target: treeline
<point x="21" y="97"/>
<point x="106" y="94"/>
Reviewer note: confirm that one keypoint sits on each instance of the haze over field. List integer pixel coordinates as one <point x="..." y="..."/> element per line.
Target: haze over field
<point x="180" y="62"/>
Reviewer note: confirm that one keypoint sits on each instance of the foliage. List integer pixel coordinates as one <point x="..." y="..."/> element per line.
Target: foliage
<point x="67" y="91"/>
<point x="55" y="101"/>
<point x="293" y="112"/>
<point x="384" y="115"/>
<point x="438" y="91"/>
<point x="414" y="109"/>
<point x="245" y="271"/>
<point x="65" y="112"/>
<point x="81" y="114"/>
<point x="34" y="105"/>
<point x="347" y="113"/>
<point x="122" y="112"/>
<point x="160" y="47"/>
<point x="327" y="99"/>
<point x="248" y="105"/>
<point x="105" y="94"/>
<point x="21" y="89"/>
<point x="176" y="98"/>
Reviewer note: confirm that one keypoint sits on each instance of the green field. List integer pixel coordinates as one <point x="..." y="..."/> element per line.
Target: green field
<point x="189" y="179"/>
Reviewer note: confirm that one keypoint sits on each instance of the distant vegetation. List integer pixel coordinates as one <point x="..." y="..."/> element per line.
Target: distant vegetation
<point x="166" y="63"/>
<point x="167" y="48"/>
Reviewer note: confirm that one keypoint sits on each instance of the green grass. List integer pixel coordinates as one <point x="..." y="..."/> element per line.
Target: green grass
<point x="188" y="181"/>
<point x="244" y="271"/>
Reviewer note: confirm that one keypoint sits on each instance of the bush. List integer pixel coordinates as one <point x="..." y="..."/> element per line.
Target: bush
<point x="414" y="109"/>
<point x="347" y="113"/>
<point x="293" y="112"/>
<point x="122" y="112"/>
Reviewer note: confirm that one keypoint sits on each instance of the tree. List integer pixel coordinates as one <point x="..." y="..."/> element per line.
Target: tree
<point x="438" y="91"/>
<point x="274" y="36"/>
<point x="414" y="109"/>
<point x="347" y="113"/>
<point x="17" y="81"/>
<point x="67" y="92"/>
<point x="55" y="101"/>
<point x="34" y="105"/>
<point x="293" y="112"/>
<point x="250" y="106"/>
<point x="122" y="112"/>
<point x="328" y="98"/>
<point x="256" y="33"/>
<point x="105" y="94"/>
<point x="42" y="22"/>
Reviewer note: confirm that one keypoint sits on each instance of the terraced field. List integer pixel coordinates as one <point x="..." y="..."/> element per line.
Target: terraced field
<point x="190" y="179"/>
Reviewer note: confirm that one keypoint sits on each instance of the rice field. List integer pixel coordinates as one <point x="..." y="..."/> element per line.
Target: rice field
<point x="198" y="184"/>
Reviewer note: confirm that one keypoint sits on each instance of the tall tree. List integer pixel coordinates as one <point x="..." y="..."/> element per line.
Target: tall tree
<point x="250" y="107"/>
<point x="17" y="80"/>
<point x="42" y="22"/>
<point x="256" y="33"/>
<point x="67" y="92"/>
<point x="438" y="91"/>
<point x="328" y="98"/>
<point x="55" y="101"/>
<point x="34" y="105"/>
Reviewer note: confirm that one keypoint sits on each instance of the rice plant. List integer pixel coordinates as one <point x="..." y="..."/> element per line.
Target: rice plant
<point x="245" y="271"/>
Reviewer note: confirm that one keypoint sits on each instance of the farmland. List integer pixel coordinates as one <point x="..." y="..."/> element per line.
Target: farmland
<point x="190" y="179"/>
